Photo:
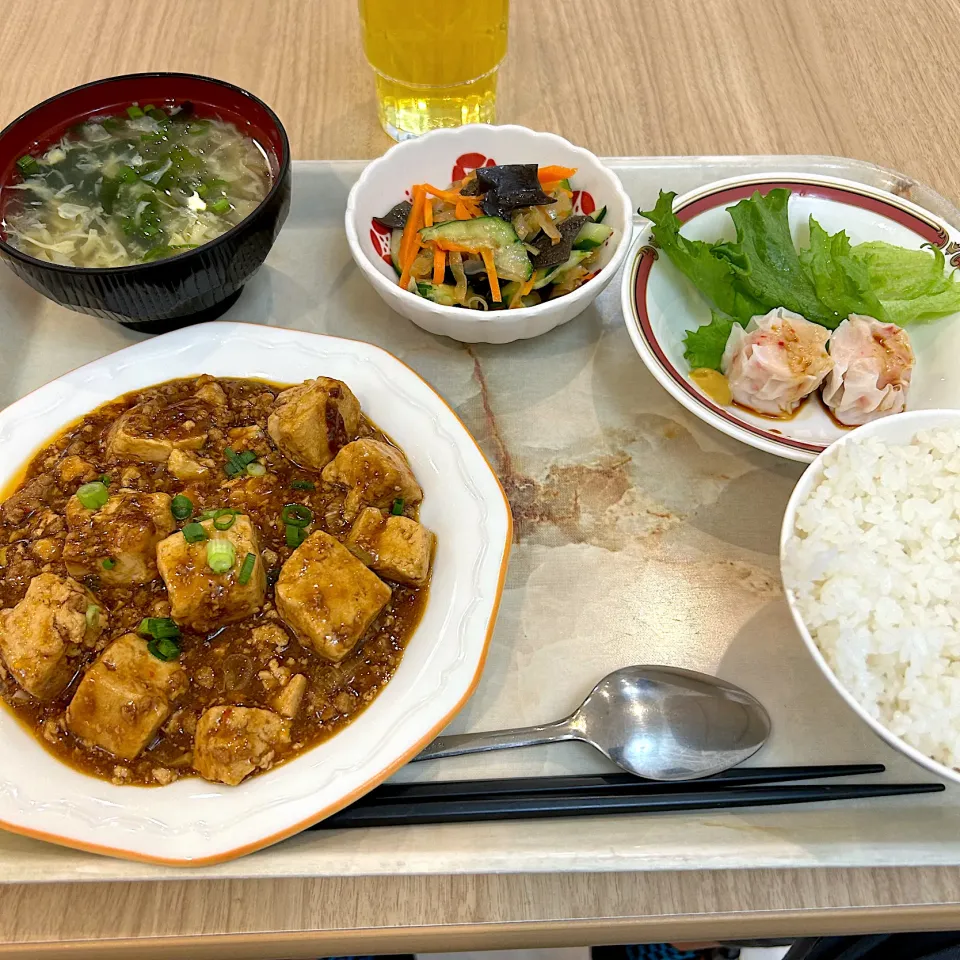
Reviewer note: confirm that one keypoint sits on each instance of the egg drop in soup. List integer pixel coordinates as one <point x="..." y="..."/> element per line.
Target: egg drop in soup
<point x="142" y="185"/>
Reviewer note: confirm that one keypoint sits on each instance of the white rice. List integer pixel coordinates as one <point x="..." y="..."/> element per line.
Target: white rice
<point x="874" y="564"/>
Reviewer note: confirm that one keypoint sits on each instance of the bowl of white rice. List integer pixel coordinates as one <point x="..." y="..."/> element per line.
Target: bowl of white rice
<point x="870" y="558"/>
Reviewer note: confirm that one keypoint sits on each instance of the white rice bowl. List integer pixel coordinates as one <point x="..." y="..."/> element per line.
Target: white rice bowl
<point x="870" y="557"/>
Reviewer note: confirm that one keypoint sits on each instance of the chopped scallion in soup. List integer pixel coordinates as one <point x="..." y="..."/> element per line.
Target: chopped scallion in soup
<point x="145" y="184"/>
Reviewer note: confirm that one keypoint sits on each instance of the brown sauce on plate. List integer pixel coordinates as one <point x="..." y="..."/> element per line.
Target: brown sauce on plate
<point x="226" y="666"/>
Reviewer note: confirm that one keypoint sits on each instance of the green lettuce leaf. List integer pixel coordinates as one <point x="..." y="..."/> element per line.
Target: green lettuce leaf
<point x="911" y="284"/>
<point x="923" y="309"/>
<point x="841" y="280"/>
<point x="713" y="276"/>
<point x="704" y="346"/>
<point x="765" y="259"/>
<point x="899" y="274"/>
<point x="824" y="282"/>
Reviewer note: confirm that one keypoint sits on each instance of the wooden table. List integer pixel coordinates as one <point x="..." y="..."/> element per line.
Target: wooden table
<point x="861" y="78"/>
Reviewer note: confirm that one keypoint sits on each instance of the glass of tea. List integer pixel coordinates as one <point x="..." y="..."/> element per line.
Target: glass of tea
<point x="436" y="61"/>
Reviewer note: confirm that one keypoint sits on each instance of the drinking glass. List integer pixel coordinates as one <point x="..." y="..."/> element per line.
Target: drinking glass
<point x="435" y="61"/>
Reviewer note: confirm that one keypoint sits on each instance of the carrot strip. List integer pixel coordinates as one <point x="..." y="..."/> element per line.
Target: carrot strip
<point x="554" y="173"/>
<point x="439" y="264"/>
<point x="451" y="196"/>
<point x="461" y="212"/>
<point x="522" y="291"/>
<point x="410" y="242"/>
<point x="554" y="187"/>
<point x="428" y="212"/>
<point x="491" y="274"/>
<point x="452" y="247"/>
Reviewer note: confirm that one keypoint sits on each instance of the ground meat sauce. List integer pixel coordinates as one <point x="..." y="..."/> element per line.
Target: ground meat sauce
<point x="245" y="663"/>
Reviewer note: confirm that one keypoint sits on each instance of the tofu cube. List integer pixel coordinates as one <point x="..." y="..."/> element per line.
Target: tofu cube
<point x="185" y="466"/>
<point x="124" y="697"/>
<point x="288" y="700"/>
<point x="124" y="533"/>
<point x="313" y="421"/>
<point x="201" y="599"/>
<point x="232" y="742"/>
<point x="153" y="429"/>
<point x="43" y="637"/>
<point x="397" y="548"/>
<point x="374" y="474"/>
<point x="328" y="597"/>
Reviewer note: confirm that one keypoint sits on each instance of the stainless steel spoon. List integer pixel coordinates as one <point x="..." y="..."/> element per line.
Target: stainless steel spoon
<point x="662" y="723"/>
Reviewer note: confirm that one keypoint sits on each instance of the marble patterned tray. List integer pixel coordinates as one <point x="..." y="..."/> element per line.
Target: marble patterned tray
<point x="642" y="535"/>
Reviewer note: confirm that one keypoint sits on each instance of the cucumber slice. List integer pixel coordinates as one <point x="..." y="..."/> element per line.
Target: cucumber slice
<point x="486" y="233"/>
<point x="556" y="274"/>
<point x="599" y="215"/>
<point x="508" y="290"/>
<point x="395" y="239"/>
<point x="441" y="293"/>
<point x="591" y="236"/>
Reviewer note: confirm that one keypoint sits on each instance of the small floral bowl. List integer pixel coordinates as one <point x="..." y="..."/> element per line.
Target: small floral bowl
<point x="446" y="155"/>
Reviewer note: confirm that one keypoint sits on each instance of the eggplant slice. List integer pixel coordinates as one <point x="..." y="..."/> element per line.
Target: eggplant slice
<point x="509" y="187"/>
<point x="553" y="254"/>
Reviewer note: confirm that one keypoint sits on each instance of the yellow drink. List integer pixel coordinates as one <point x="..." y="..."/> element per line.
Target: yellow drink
<point x="436" y="61"/>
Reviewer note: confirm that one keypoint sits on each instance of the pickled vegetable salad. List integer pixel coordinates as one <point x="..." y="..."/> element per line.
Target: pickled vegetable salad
<point x="502" y="237"/>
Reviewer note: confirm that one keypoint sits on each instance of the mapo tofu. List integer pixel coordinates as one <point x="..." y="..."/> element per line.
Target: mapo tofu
<point x="208" y="577"/>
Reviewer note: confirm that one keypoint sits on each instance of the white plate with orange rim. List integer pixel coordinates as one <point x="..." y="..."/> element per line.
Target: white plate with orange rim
<point x="192" y="822"/>
<point x="660" y="304"/>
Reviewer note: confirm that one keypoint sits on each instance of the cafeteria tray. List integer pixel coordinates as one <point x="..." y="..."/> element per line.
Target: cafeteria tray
<point x="642" y="536"/>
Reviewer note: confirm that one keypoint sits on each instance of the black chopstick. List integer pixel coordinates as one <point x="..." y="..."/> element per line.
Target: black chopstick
<point x="537" y="807"/>
<point x="607" y="783"/>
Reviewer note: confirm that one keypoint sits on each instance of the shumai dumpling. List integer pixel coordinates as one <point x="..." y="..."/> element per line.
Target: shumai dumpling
<point x="775" y="362"/>
<point x="872" y="366"/>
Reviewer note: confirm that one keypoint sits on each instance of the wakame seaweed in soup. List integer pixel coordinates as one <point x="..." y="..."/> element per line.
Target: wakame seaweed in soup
<point x="145" y="184"/>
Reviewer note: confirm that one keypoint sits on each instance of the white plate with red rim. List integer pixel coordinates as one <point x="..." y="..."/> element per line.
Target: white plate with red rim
<point x="192" y="822"/>
<point x="660" y="304"/>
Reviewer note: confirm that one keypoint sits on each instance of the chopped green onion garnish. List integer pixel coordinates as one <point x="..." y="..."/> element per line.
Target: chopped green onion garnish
<point x="149" y="107"/>
<point x="237" y="462"/>
<point x="194" y="533"/>
<point x="127" y="174"/>
<point x="246" y="571"/>
<point x="295" y="535"/>
<point x="157" y="114"/>
<point x="108" y="564"/>
<point x="93" y="495"/>
<point x="397" y="509"/>
<point x="221" y="555"/>
<point x="256" y="469"/>
<point x="104" y="479"/>
<point x="296" y="515"/>
<point x="93" y="616"/>
<point x="27" y="165"/>
<point x="165" y="649"/>
<point x="220" y="207"/>
<point x="134" y="112"/>
<point x="224" y="519"/>
<point x="198" y="126"/>
<point x="181" y="507"/>
<point x="160" y="628"/>
<point x="303" y="485"/>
